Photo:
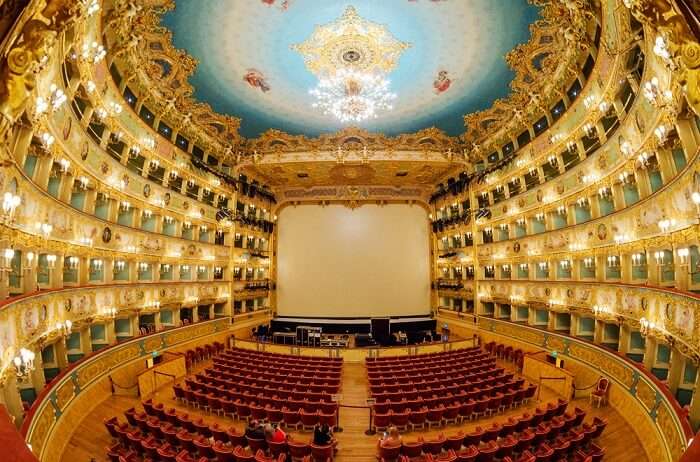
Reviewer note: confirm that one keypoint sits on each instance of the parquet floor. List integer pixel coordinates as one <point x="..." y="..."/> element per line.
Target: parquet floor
<point x="90" y="437"/>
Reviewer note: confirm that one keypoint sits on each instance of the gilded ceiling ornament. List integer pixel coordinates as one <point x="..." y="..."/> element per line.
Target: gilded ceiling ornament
<point x="351" y="42"/>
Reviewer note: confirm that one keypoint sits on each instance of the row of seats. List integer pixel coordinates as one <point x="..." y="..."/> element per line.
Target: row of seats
<point x="474" y="368"/>
<point x="279" y="358"/>
<point x="160" y="434"/>
<point x="496" y="380"/>
<point x="280" y="372"/>
<point x="319" y="382"/>
<point x="423" y="357"/>
<point x="454" y="412"/>
<point x="552" y="434"/>
<point x="506" y="352"/>
<point x="202" y="353"/>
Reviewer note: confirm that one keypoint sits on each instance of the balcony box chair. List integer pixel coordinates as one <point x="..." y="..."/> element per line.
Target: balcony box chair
<point x="308" y="419"/>
<point x="184" y="456"/>
<point x="243" y="454"/>
<point x="495" y="403"/>
<point x="451" y="415"/>
<point x="599" y="395"/>
<point x="298" y="450"/>
<point x="400" y="420"/>
<point x="434" y="446"/>
<point x="254" y="444"/>
<point x="290" y="418"/>
<point x="331" y="419"/>
<point x="223" y="452"/>
<point x="506" y="447"/>
<point x="454" y="442"/>
<point x="235" y="437"/>
<point x="243" y="410"/>
<point x="382" y="421"/>
<point x="166" y="453"/>
<point x="487" y="452"/>
<point x="468" y="454"/>
<point x="204" y="448"/>
<point x="435" y="416"/>
<point x="466" y="410"/>
<point x="274" y="415"/>
<point x="389" y="453"/>
<point x="492" y="432"/>
<point x="218" y="432"/>
<point x="544" y="453"/>
<point x="277" y="448"/>
<point x="412" y="449"/>
<point x="474" y="437"/>
<point x="600" y="424"/>
<point x="417" y="418"/>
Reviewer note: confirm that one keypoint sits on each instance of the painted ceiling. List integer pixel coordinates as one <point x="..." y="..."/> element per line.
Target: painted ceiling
<point x="248" y="68"/>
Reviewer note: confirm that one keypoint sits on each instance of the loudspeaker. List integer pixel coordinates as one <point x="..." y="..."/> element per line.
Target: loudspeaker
<point x="380" y="330"/>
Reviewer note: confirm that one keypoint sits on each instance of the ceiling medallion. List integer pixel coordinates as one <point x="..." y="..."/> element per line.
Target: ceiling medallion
<point x="352" y="57"/>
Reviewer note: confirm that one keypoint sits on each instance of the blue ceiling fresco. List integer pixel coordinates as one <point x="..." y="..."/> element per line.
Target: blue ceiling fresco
<point x="455" y="64"/>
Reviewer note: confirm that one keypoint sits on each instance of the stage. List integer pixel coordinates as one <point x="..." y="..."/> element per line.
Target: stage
<point x="417" y="329"/>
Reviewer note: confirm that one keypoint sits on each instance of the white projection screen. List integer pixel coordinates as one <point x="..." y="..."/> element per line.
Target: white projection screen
<point x="335" y="262"/>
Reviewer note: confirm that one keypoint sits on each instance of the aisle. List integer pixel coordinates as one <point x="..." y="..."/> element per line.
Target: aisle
<point x="90" y="438"/>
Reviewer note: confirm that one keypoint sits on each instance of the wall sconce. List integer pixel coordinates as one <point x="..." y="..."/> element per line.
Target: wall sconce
<point x="83" y="182"/>
<point x="539" y="216"/>
<point x="55" y="100"/>
<point x="604" y="192"/>
<point x="125" y="205"/>
<point x="96" y="266"/>
<point x="523" y="266"/>
<point x="661" y="133"/>
<point x="119" y="266"/>
<point x="65" y="328"/>
<point x="588" y="262"/>
<point x="469" y="235"/>
<point x="654" y="94"/>
<point x="683" y="255"/>
<point x="143" y="267"/>
<point x="201" y="269"/>
<point x="24" y="363"/>
<point x="173" y="174"/>
<point x="71" y="263"/>
<point x="109" y="312"/>
<point x="589" y="130"/>
<point x="613" y="261"/>
<point x="47" y="140"/>
<point x="637" y="259"/>
<point x="147" y="214"/>
<point x="603" y="107"/>
<point x="543" y="265"/>
<point x="599" y="310"/>
<point x="625" y="178"/>
<point x="646" y="327"/>
<point x="154" y="164"/>
<point x="504" y="227"/>
<point x="51" y="261"/>
<point x="134" y="151"/>
<point x="565" y="264"/>
<point x="666" y="224"/>
<point x="164" y="267"/>
<point x="44" y="228"/>
<point x="520" y="222"/>
<point x="552" y="160"/>
<point x="149" y="142"/>
<point x="168" y="220"/>
<point x="659" y="256"/>
<point x="187" y="225"/>
<point x="10" y="202"/>
<point x="29" y="256"/>
<point x="643" y="160"/>
<point x="582" y="202"/>
<point x="505" y="268"/>
<point x="7" y="255"/>
<point x="488" y="231"/>
<point x="589" y="101"/>
<point x="190" y="182"/>
<point x="561" y="210"/>
<point x="185" y="268"/>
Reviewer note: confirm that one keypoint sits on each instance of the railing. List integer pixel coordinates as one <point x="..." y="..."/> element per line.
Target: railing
<point x="46" y="421"/>
<point x="652" y="407"/>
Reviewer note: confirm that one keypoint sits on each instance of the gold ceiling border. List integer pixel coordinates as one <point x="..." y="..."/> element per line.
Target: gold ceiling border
<point x="139" y="39"/>
<point x="543" y="68"/>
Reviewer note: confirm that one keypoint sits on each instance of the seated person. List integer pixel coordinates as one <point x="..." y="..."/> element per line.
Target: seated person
<point x="255" y="430"/>
<point x="391" y="438"/>
<point x="275" y="434"/>
<point x="323" y="435"/>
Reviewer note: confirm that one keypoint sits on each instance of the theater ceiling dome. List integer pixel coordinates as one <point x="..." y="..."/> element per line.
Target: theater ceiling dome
<point x="258" y="60"/>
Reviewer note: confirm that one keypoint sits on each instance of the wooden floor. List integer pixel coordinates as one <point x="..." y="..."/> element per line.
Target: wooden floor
<point x="90" y="437"/>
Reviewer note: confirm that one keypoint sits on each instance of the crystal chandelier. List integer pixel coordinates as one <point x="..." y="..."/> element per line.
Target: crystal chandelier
<point x="353" y="96"/>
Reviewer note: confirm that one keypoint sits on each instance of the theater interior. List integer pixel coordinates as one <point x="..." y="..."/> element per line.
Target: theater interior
<point x="349" y="230"/>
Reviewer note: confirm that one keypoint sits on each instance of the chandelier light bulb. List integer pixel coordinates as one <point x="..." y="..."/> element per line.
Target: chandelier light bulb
<point x="352" y="96"/>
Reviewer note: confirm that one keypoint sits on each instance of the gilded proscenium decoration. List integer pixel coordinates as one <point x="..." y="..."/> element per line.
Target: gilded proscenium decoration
<point x="351" y="42"/>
